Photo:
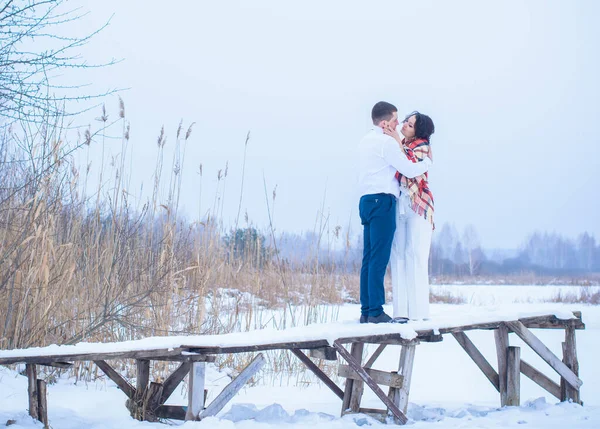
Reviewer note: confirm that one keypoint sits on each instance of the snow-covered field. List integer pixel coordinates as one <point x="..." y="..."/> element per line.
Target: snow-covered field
<point x="448" y="391"/>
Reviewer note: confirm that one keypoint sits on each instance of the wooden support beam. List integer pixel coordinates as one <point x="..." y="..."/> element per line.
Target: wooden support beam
<point x="540" y="379"/>
<point x="317" y="371"/>
<point x="196" y="391"/>
<point x="176" y="412"/>
<point x="173" y="380"/>
<point x="391" y="379"/>
<point x="371" y="361"/>
<point x="123" y="384"/>
<point x="232" y="388"/>
<point x="32" y="391"/>
<point x="327" y="353"/>
<point x="501" y="338"/>
<point x="375" y="413"/>
<point x="513" y="372"/>
<point x="62" y="365"/>
<point x="369" y="381"/>
<point x="42" y="403"/>
<point x="570" y="360"/>
<point x="157" y="354"/>
<point x="481" y="362"/>
<point x="544" y="352"/>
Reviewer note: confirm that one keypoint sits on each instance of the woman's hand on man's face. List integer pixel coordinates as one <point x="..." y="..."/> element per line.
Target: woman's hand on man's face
<point x="390" y="131"/>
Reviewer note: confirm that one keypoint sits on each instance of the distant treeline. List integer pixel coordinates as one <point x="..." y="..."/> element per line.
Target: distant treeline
<point x="453" y="254"/>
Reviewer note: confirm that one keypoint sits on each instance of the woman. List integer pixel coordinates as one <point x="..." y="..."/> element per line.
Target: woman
<point x="414" y="224"/>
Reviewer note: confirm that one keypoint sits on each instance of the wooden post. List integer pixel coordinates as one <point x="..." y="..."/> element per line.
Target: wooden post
<point x="31" y="370"/>
<point x="501" y="337"/>
<point x="405" y="367"/>
<point x="42" y="403"/>
<point x="141" y="384"/>
<point x="151" y="402"/>
<point x="570" y="360"/>
<point x="513" y="372"/>
<point x="196" y="391"/>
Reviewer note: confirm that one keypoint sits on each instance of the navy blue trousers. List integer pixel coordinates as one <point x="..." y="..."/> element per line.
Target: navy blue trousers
<point x="378" y="217"/>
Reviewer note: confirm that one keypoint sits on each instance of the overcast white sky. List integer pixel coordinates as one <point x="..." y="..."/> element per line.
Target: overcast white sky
<point x="512" y="87"/>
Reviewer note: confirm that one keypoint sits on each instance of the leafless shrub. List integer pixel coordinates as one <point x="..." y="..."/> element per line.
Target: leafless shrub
<point x="582" y="295"/>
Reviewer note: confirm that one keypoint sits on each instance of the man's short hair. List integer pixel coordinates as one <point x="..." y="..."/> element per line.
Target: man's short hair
<point x="382" y="111"/>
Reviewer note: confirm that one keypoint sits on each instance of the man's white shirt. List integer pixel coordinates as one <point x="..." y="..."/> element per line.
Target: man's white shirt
<point x="379" y="157"/>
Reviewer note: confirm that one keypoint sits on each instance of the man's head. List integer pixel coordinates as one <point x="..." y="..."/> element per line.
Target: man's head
<point x="383" y="113"/>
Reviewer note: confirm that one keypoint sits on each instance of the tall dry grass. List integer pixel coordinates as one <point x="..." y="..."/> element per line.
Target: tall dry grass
<point x="80" y="265"/>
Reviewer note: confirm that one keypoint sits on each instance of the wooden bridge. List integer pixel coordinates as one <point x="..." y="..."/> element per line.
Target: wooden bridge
<point x="146" y="400"/>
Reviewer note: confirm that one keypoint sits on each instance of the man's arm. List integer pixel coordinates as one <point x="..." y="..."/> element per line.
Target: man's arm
<point x="397" y="159"/>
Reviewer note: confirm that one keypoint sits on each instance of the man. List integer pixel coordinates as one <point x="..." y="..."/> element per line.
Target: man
<point x="380" y="157"/>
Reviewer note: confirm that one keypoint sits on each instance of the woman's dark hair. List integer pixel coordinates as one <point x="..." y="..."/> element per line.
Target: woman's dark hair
<point x="424" y="127"/>
<point x="382" y="111"/>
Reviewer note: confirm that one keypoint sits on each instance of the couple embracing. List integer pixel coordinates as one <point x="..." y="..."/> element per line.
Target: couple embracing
<point x="396" y="211"/>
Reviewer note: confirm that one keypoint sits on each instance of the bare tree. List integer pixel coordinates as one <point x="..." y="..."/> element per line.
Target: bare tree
<point x="473" y="248"/>
<point x="33" y="52"/>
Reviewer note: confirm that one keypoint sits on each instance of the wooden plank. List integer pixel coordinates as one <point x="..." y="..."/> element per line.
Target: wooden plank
<point x="372" y="411"/>
<point x="392" y="379"/>
<point x="540" y="379"/>
<point x="327" y="353"/>
<point x="196" y="391"/>
<point x="158" y="354"/>
<point x="541" y="322"/>
<point x="317" y="371"/>
<point x="62" y="365"/>
<point x="407" y="359"/>
<point x="173" y="380"/>
<point x="32" y="394"/>
<point x="513" y="381"/>
<point x="544" y="352"/>
<point x="356" y="350"/>
<point x="375" y="355"/>
<point x="481" y="362"/>
<point x="303" y="345"/>
<point x="123" y="384"/>
<point x="176" y="412"/>
<point x="547" y="322"/>
<point x="369" y="381"/>
<point x="232" y="388"/>
<point x="570" y="359"/>
<point x="501" y="338"/>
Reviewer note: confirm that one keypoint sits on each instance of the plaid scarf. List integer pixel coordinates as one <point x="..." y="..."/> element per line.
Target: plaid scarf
<point x="421" y="198"/>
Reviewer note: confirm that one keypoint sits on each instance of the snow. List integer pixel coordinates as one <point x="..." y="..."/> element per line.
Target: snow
<point x="318" y="331"/>
<point x="448" y="390"/>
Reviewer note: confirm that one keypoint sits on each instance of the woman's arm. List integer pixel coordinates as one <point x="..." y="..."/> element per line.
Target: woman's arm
<point x="394" y="134"/>
<point x="397" y="159"/>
